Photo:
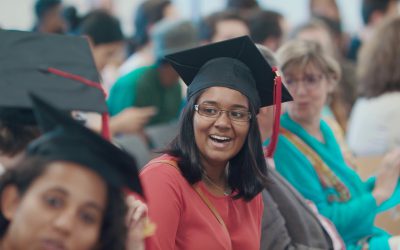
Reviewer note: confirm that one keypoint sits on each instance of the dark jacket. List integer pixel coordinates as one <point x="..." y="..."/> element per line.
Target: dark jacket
<point x="288" y="222"/>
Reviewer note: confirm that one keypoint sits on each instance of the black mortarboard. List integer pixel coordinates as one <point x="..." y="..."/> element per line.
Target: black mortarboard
<point x="58" y="68"/>
<point x="26" y="63"/>
<point x="65" y="139"/>
<point x="234" y="63"/>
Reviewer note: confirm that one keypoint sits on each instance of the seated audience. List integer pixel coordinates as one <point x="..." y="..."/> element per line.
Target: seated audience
<point x="309" y="157"/>
<point x="157" y="85"/>
<point x="375" y="119"/>
<point x="222" y="25"/>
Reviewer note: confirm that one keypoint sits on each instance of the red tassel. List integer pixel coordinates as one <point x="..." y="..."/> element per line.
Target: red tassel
<point x="77" y="78"/>
<point x="105" y="126"/>
<point x="277" y="113"/>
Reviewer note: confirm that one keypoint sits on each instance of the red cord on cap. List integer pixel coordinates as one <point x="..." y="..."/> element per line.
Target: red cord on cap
<point x="105" y="127"/>
<point x="269" y="151"/>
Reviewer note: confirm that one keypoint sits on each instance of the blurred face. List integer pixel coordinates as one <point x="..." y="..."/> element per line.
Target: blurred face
<point x="62" y="209"/>
<point x="228" y="29"/>
<point x="53" y="22"/>
<point x="170" y="12"/>
<point x="326" y="8"/>
<point x="106" y="53"/>
<point x="218" y="137"/>
<point x="393" y="8"/>
<point x="309" y="88"/>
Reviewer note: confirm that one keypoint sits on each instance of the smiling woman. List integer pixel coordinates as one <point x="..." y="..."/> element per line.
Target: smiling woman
<point x="204" y="193"/>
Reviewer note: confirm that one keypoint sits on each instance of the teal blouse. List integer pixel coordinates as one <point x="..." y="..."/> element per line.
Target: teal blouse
<point x="354" y="219"/>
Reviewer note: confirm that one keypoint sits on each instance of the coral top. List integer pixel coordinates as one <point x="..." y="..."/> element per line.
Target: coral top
<point x="185" y="222"/>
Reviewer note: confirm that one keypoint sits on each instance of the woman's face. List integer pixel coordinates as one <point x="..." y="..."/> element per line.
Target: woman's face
<point x="62" y="209"/>
<point x="220" y="138"/>
<point x="309" y="88"/>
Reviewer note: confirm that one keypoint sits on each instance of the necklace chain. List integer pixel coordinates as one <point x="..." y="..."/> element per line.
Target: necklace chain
<point x="223" y="190"/>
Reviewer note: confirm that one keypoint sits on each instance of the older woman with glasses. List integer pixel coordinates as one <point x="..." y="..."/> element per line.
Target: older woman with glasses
<point x="309" y="156"/>
<point x="205" y="192"/>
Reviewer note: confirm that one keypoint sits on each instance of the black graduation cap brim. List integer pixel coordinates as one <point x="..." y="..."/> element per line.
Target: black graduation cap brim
<point x="64" y="139"/>
<point x="25" y="60"/>
<point x="201" y="68"/>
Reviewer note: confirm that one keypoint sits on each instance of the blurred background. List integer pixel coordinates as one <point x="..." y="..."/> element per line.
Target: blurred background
<point x="18" y="14"/>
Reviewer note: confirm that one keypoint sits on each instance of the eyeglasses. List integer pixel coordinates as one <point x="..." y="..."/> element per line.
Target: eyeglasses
<point x="310" y="82"/>
<point x="215" y="112"/>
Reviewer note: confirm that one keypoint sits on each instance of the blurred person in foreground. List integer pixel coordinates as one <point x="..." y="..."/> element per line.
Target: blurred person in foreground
<point x="68" y="192"/>
<point x="34" y="63"/>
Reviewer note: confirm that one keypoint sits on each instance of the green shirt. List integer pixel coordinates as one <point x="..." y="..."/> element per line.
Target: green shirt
<point x="142" y="88"/>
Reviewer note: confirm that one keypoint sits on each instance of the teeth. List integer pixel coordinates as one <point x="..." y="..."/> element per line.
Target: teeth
<point x="220" y="138"/>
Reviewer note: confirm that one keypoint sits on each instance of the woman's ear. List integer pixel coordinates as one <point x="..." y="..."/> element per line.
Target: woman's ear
<point x="90" y="41"/>
<point x="333" y="80"/>
<point x="10" y="200"/>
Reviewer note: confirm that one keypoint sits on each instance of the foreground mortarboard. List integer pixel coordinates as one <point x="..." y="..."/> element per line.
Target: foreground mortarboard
<point x="234" y="63"/>
<point x="65" y="139"/>
<point x="58" y="68"/>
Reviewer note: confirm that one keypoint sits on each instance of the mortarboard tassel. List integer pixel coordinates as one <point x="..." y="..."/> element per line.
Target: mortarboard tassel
<point x="105" y="128"/>
<point x="277" y="113"/>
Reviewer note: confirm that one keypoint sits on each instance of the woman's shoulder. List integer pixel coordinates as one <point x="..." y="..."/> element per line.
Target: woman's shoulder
<point x="163" y="170"/>
<point x="164" y="164"/>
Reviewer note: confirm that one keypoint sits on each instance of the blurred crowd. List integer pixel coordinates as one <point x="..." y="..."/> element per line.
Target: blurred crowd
<point x="346" y="106"/>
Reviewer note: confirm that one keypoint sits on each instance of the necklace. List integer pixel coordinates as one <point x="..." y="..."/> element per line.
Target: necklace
<point x="223" y="190"/>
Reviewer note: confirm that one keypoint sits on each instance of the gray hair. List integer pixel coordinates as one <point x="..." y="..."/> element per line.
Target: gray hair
<point x="299" y="54"/>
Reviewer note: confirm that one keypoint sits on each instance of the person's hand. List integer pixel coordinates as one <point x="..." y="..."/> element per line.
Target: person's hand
<point x="394" y="242"/>
<point x="138" y="224"/>
<point x="131" y="120"/>
<point x="387" y="177"/>
<point x="135" y="221"/>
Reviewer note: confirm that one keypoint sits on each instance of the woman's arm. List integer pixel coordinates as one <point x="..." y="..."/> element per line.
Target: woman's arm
<point x="164" y="204"/>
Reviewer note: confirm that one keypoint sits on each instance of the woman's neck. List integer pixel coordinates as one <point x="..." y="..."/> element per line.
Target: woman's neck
<point x="312" y="126"/>
<point x="216" y="172"/>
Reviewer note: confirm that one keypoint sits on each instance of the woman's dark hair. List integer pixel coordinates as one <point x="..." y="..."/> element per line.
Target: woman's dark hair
<point x="242" y="4"/>
<point x="101" y="27"/>
<point x="264" y="24"/>
<point x="113" y="231"/>
<point x="17" y="128"/>
<point x="70" y="14"/>
<point x="42" y="7"/>
<point x="247" y="170"/>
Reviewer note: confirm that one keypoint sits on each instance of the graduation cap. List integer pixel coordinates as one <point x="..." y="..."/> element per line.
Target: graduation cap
<point x="58" y="68"/>
<point x="235" y="64"/>
<point x="64" y="139"/>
